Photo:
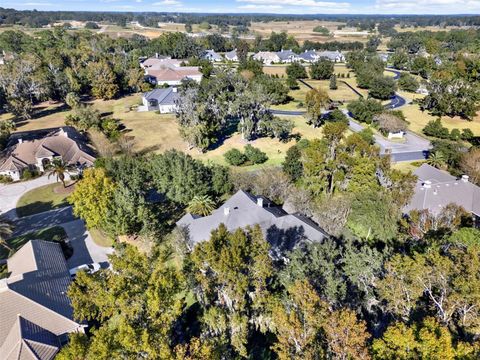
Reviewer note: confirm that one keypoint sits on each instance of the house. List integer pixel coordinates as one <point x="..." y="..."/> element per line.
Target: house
<point x="231" y="55"/>
<point x="173" y="76"/>
<point x="335" y="56"/>
<point x="287" y="56"/>
<point x="36" y="150"/>
<point x="36" y="315"/>
<point x="282" y="230"/>
<point x="267" y="57"/>
<point x="159" y="61"/>
<point x="211" y="55"/>
<point x="436" y="188"/>
<point x="384" y="57"/>
<point x="308" y="56"/>
<point x="163" y="100"/>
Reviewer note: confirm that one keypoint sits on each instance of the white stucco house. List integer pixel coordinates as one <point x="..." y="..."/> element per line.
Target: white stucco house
<point x="163" y="100"/>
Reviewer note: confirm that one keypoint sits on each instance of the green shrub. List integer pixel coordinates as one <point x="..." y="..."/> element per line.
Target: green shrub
<point x="29" y="174"/>
<point x="255" y="155"/>
<point x="235" y="157"/>
<point x="5" y="179"/>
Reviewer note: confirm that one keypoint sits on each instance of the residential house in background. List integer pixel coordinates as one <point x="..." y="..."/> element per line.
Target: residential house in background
<point x="435" y="189"/>
<point x="211" y="55"/>
<point x="164" y="100"/>
<point x="232" y="55"/>
<point x="173" y="76"/>
<point x="287" y="56"/>
<point x="335" y="56"/>
<point x="36" y="150"/>
<point x="35" y="312"/>
<point x="282" y="230"/>
<point x="267" y="57"/>
<point x="308" y="56"/>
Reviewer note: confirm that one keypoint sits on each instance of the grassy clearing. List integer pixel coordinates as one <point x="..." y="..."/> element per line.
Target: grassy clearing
<point x="56" y="234"/>
<point x="419" y="119"/>
<point x="43" y="199"/>
<point x="100" y="238"/>
<point x="407" y="167"/>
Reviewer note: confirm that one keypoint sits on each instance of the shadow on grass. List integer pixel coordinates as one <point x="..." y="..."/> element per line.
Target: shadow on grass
<point x="39" y="207"/>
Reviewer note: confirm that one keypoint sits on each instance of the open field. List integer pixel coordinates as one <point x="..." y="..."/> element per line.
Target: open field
<point x="44" y="198"/>
<point x="281" y="70"/>
<point x="303" y="30"/>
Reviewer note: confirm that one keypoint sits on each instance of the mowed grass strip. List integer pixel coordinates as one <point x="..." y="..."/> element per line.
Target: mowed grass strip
<point x="42" y="199"/>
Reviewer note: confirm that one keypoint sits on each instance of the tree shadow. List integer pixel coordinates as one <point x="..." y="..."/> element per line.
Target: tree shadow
<point x="282" y="241"/>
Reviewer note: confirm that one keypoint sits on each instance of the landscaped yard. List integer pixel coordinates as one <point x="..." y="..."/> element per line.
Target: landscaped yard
<point x="100" y="238"/>
<point x="56" y="234"/>
<point x="44" y="198"/>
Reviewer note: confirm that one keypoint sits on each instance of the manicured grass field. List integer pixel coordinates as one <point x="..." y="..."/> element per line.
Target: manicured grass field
<point x="42" y="199"/>
<point x="100" y="238"/>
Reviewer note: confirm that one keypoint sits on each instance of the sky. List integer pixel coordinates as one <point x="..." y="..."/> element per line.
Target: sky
<point x="258" y="6"/>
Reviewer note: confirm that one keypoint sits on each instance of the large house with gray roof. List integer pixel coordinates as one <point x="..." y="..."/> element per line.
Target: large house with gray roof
<point x="163" y="100"/>
<point x="35" y="150"/>
<point x="436" y="188"/>
<point x="35" y="312"/>
<point x="282" y="230"/>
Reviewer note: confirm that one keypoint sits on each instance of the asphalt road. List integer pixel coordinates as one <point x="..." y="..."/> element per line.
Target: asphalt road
<point x="43" y="220"/>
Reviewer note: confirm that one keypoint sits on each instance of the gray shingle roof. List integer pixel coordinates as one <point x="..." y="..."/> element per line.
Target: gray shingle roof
<point x="286" y="54"/>
<point x="436" y="188"/>
<point x="166" y="96"/>
<point x="231" y="55"/>
<point x="282" y="230"/>
<point x="309" y="55"/>
<point x="36" y="290"/>
<point x="27" y="340"/>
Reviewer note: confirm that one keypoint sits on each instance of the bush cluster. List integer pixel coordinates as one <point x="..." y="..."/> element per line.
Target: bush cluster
<point x="250" y="156"/>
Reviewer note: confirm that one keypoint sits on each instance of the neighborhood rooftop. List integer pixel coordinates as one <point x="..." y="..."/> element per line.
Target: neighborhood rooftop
<point x="35" y="311"/>
<point x="282" y="230"/>
<point x="436" y="188"/>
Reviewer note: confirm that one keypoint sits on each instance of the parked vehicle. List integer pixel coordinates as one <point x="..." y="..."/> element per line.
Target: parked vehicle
<point x="89" y="268"/>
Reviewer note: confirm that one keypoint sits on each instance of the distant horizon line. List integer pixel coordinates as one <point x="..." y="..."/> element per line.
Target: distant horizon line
<point x="243" y="13"/>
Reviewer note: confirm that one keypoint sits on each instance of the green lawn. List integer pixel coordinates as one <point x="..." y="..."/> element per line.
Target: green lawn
<point x="42" y="199"/>
<point x="100" y="238"/>
<point x="56" y="234"/>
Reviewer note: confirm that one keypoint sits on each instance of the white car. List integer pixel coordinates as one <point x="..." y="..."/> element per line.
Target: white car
<point x="89" y="268"/>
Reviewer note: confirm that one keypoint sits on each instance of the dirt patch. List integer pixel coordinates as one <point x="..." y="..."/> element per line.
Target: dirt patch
<point x="63" y="190"/>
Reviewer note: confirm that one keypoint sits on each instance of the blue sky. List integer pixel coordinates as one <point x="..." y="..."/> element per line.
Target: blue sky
<point x="259" y="6"/>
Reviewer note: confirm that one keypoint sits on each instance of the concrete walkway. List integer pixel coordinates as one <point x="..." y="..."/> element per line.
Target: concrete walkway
<point x="11" y="193"/>
<point x="85" y="250"/>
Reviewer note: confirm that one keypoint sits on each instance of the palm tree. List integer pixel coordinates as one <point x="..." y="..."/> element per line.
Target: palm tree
<point x="6" y="229"/>
<point x="201" y="205"/>
<point x="58" y="168"/>
<point x="436" y="159"/>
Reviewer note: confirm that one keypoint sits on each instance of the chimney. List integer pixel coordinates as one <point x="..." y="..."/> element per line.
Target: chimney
<point x="174" y="89"/>
<point x="260" y="202"/>
<point x="427" y="184"/>
<point x="465" y="178"/>
<point x="20" y="140"/>
<point x="156" y="55"/>
<point x="226" y="211"/>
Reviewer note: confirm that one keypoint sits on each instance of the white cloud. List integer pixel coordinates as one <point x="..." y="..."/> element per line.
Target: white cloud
<point x="167" y="2"/>
<point x="260" y="7"/>
<point x="303" y="3"/>
<point x="37" y="4"/>
<point x="426" y="6"/>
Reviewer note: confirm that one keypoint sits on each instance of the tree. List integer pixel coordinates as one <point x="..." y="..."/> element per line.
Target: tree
<point x="103" y="80"/>
<point x="297" y="323"/>
<point x="382" y="87"/>
<point x="399" y="59"/>
<point x="333" y="82"/>
<point x="346" y="336"/>
<point x="188" y="28"/>
<point x="235" y="157"/>
<point x="425" y="340"/>
<point x="364" y="110"/>
<point x="72" y="100"/>
<point x="136" y="305"/>
<point x="321" y="69"/>
<point x="315" y="101"/>
<point x="255" y="155"/>
<point x="58" y="168"/>
<point x="6" y="229"/>
<point x="407" y="82"/>
<point x="295" y="70"/>
<point x="470" y="164"/>
<point x="231" y="273"/>
<point x="92" y="197"/>
<point x="90" y="25"/>
<point x="201" y="205"/>
<point x="436" y="129"/>
<point x="437" y="159"/>
<point x="292" y="165"/>
<point x="389" y="123"/>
